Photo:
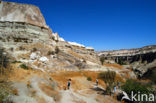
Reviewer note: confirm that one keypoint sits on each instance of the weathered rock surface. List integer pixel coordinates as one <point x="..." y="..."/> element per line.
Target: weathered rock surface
<point x="141" y="59"/>
<point x="14" y="12"/>
<point x="25" y="35"/>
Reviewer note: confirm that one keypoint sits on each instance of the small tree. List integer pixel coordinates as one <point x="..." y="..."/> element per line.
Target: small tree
<point x="102" y="59"/>
<point x="109" y="78"/>
<point x="4" y="61"/>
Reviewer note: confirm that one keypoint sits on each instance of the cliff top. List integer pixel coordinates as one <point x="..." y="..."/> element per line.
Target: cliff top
<point x="16" y="12"/>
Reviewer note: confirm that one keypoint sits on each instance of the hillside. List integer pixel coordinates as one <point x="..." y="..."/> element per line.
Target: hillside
<point x="36" y="63"/>
<point x="142" y="60"/>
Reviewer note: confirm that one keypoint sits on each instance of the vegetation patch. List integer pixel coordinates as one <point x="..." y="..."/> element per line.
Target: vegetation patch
<point x="109" y="78"/>
<point x="5" y="93"/>
<point x="135" y="86"/>
<point x="89" y="78"/>
<point x="24" y="66"/>
<point x="51" y="53"/>
<point x="102" y="60"/>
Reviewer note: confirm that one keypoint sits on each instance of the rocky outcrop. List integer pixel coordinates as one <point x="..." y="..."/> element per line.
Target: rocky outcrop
<point x="141" y="59"/>
<point x="14" y="12"/>
<point x="145" y="54"/>
<point x="21" y="24"/>
<point x="26" y="37"/>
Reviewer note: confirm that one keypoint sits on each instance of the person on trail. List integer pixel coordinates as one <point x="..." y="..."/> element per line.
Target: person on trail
<point x="69" y="83"/>
<point x="97" y="82"/>
<point x="119" y="85"/>
<point x="114" y="91"/>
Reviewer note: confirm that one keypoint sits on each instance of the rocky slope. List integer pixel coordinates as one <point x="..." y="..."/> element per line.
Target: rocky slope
<point x="141" y="59"/>
<point x="25" y="35"/>
<point x="41" y="62"/>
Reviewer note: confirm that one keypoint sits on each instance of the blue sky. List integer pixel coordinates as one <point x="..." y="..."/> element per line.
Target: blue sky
<point x="102" y="24"/>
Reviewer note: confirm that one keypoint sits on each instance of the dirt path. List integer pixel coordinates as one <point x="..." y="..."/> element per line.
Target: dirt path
<point x="68" y="96"/>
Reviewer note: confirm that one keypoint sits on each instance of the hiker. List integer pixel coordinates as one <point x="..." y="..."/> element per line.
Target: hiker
<point x="114" y="91"/>
<point x="119" y="85"/>
<point x="69" y="83"/>
<point x="97" y="82"/>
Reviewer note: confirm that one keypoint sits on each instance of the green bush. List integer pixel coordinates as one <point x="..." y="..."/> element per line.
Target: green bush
<point x="102" y="59"/>
<point x="132" y="85"/>
<point x="108" y="89"/>
<point x="89" y="78"/>
<point x="24" y="66"/>
<point x="16" y="62"/>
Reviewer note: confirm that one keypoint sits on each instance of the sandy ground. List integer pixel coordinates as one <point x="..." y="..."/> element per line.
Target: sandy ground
<point x="38" y="87"/>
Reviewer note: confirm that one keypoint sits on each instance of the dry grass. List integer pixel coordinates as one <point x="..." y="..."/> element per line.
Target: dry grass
<point x="79" y="79"/>
<point x="114" y="65"/>
<point x="119" y="78"/>
<point x="21" y="75"/>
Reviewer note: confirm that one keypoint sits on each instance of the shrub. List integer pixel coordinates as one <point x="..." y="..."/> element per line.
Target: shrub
<point x="109" y="78"/>
<point x="5" y="93"/>
<point x="24" y="66"/>
<point x="4" y="60"/>
<point x="34" y="49"/>
<point x="132" y="85"/>
<point x="89" y="78"/>
<point x="51" y="53"/>
<point x="108" y="90"/>
<point x="102" y="59"/>
<point x="57" y="50"/>
<point x="16" y="62"/>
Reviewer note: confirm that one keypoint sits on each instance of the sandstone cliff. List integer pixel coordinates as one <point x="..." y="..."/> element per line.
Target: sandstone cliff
<point x="140" y="59"/>
<point x="25" y="35"/>
<point x="14" y="12"/>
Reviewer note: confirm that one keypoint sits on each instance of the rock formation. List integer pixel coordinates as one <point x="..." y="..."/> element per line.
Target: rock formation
<point x="25" y="35"/>
<point x="141" y="59"/>
<point x="14" y="12"/>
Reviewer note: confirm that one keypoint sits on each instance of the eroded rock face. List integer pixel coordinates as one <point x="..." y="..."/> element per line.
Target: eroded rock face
<point x="141" y="59"/>
<point x="15" y="12"/>
<point x="26" y="37"/>
<point x="21" y="24"/>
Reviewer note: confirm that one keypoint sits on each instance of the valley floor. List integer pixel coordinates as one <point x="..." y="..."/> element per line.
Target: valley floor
<point x="33" y="86"/>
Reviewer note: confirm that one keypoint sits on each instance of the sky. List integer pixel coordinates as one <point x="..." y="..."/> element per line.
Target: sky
<point x="102" y="24"/>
